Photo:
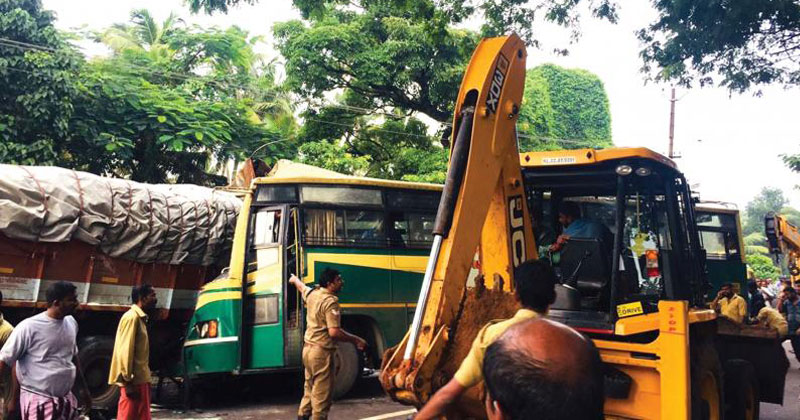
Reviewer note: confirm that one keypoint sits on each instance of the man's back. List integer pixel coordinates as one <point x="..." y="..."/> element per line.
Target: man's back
<point x="322" y="313"/>
<point x="43" y="348"/>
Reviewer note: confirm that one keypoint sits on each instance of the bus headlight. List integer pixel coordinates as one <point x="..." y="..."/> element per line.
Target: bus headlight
<point x="643" y="171"/>
<point x="207" y="329"/>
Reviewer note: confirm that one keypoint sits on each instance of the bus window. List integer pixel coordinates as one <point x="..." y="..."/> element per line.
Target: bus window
<point x="263" y="310"/>
<point x="341" y="195"/>
<point x="412" y="230"/>
<point x="365" y="227"/>
<point x="344" y="227"/>
<point x="324" y="227"/>
<point x="268" y="227"/>
<point x="277" y="194"/>
<point x="714" y="244"/>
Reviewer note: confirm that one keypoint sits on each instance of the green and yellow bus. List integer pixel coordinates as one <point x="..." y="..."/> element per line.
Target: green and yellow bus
<point x="301" y="220"/>
<point x="721" y="235"/>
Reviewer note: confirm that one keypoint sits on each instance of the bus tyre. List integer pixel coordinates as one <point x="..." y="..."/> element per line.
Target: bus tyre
<point x="94" y="354"/>
<point x="741" y="391"/>
<point x="346" y="367"/>
<point x="707" y="394"/>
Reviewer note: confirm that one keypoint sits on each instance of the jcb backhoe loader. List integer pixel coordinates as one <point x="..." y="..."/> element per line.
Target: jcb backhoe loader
<point x="784" y="240"/>
<point x="639" y="291"/>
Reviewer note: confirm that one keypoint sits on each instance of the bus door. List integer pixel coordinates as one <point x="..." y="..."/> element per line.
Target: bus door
<point x="293" y="303"/>
<point x="263" y="319"/>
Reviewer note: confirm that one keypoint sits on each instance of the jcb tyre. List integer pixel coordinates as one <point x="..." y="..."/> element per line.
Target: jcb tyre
<point x="346" y="369"/>
<point x="741" y="391"/>
<point x="94" y="354"/>
<point x="707" y="393"/>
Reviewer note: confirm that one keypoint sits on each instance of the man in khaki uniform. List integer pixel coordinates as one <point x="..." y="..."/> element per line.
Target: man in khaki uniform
<point x="535" y="291"/>
<point x="323" y="328"/>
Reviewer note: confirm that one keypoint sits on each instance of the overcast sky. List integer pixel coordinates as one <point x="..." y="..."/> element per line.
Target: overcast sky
<point x="729" y="144"/>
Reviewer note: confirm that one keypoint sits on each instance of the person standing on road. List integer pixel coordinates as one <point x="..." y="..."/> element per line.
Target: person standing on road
<point x="323" y="328"/>
<point x="729" y="304"/>
<point x="130" y="362"/>
<point x="756" y="299"/>
<point x="45" y="351"/>
<point x="535" y="291"/>
<point x="789" y="305"/>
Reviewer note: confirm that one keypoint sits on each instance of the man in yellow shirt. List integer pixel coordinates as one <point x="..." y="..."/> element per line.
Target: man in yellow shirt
<point x="729" y="304"/>
<point x="773" y="319"/>
<point x="130" y="362"/>
<point x="535" y="291"/>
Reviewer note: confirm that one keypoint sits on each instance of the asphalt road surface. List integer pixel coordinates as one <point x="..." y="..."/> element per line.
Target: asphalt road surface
<point x="278" y="397"/>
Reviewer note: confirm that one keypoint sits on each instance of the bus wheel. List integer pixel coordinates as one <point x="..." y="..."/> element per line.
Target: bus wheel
<point x="346" y="368"/>
<point x="94" y="354"/>
<point x="741" y="391"/>
<point x="707" y="395"/>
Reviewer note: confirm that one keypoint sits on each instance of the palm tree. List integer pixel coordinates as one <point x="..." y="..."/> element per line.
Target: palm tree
<point x="143" y="33"/>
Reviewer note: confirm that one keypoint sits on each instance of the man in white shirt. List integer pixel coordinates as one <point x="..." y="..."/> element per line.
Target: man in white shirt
<point x="45" y="351"/>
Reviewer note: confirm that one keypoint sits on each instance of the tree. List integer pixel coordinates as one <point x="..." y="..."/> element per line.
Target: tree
<point x="763" y="266"/>
<point x="37" y="73"/>
<point x="564" y="108"/>
<point x="149" y="114"/>
<point x="768" y="200"/>
<point x="392" y="58"/>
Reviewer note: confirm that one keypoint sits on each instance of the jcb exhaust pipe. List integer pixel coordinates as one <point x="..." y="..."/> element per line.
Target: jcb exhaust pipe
<point x="444" y="219"/>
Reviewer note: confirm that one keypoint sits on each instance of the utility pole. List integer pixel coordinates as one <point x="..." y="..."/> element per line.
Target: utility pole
<point x="671" y="123"/>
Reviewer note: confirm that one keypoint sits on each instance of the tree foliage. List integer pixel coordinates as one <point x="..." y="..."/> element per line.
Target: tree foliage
<point x="739" y="44"/>
<point x="394" y="58"/>
<point x="37" y="72"/>
<point x="768" y="200"/>
<point x="762" y="266"/>
<point x="564" y="108"/>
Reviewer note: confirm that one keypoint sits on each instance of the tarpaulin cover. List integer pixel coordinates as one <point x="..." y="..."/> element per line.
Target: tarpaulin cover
<point x="163" y="223"/>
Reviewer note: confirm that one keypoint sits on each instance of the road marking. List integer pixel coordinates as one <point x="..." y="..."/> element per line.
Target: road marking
<point x="391" y="415"/>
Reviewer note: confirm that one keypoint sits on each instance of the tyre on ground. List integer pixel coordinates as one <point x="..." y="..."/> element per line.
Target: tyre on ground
<point x="94" y="354"/>
<point x="741" y="391"/>
<point x="346" y="369"/>
<point x="706" y="373"/>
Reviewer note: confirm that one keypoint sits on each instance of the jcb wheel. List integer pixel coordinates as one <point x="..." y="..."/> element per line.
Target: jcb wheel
<point x="741" y="391"/>
<point x="707" y="395"/>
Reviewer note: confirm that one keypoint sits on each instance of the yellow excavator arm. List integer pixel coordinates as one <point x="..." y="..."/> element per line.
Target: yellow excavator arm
<point x="784" y="239"/>
<point x="484" y="208"/>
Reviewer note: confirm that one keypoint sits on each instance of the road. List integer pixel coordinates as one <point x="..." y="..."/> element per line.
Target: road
<point x="278" y="397"/>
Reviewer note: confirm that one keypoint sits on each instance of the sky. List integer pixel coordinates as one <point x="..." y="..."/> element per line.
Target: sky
<point x="729" y="143"/>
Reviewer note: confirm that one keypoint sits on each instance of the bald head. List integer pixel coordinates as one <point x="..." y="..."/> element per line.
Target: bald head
<point x="545" y="370"/>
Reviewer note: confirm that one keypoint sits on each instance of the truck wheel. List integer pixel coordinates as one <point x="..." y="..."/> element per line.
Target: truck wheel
<point x="346" y="367"/>
<point x="741" y="391"/>
<point x="94" y="354"/>
<point x="707" y="395"/>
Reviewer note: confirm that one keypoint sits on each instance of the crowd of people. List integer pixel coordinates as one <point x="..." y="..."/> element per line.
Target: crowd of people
<point x="39" y="364"/>
<point x="770" y="304"/>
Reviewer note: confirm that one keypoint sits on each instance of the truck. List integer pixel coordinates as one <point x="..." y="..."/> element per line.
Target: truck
<point x="640" y="294"/>
<point x="105" y="235"/>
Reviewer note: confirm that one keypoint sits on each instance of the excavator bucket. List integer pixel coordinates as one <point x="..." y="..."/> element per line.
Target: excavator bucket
<point x="483" y="209"/>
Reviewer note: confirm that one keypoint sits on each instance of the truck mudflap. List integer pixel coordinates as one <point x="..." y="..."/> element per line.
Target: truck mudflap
<point x="762" y="348"/>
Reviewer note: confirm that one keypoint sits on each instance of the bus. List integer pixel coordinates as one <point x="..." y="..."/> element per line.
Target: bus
<point x="720" y="230"/>
<point x="300" y="220"/>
